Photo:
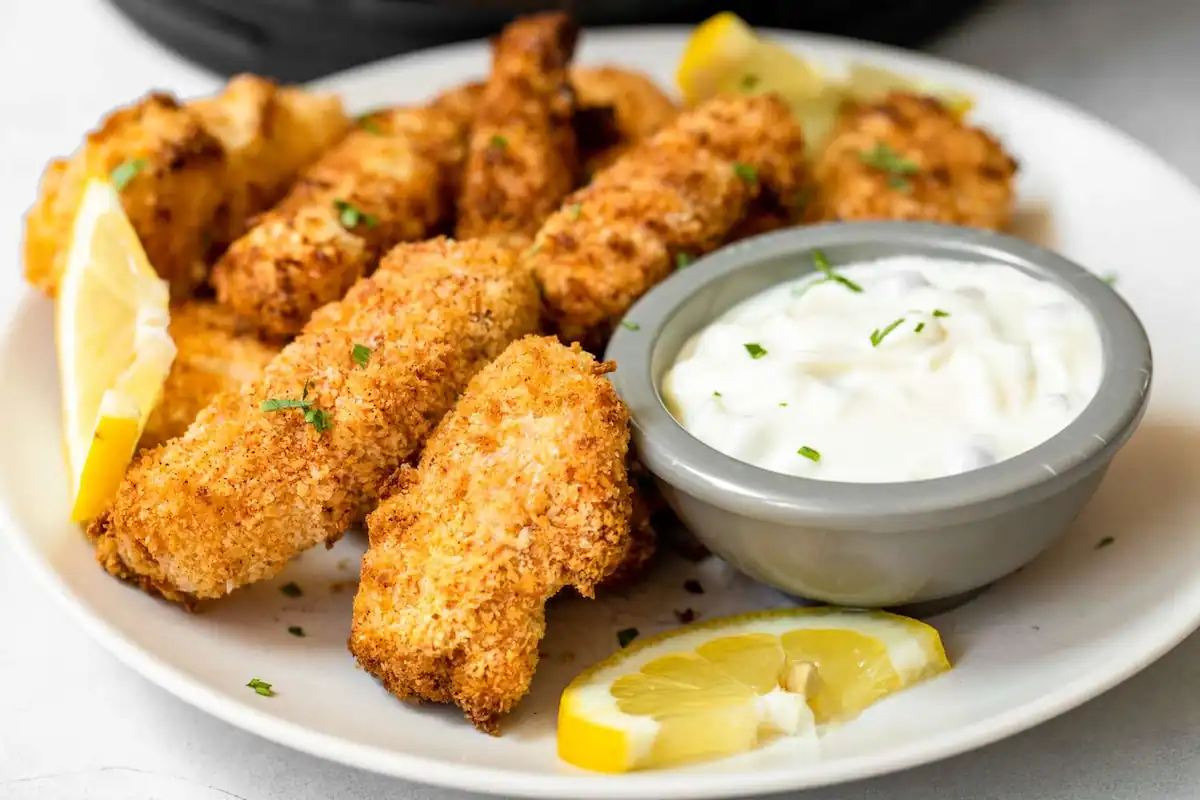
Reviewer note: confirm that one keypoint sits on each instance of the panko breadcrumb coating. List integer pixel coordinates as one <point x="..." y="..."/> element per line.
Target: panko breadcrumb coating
<point x="908" y="157"/>
<point x="246" y="488"/>
<point x="615" y="109"/>
<point x="521" y="491"/>
<point x="384" y="183"/>
<point x="672" y="198"/>
<point x="214" y="353"/>
<point x="198" y="171"/>
<point x="522" y="157"/>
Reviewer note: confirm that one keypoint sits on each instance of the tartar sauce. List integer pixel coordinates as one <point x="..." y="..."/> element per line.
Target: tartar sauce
<point x="893" y="370"/>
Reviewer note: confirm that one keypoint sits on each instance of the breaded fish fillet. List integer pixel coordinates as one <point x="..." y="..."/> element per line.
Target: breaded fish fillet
<point x="615" y="109"/>
<point x="383" y="184"/>
<point x="192" y="173"/>
<point x="295" y="458"/>
<point x="672" y="198"/>
<point x="522" y="159"/>
<point x="909" y="157"/>
<point x="214" y="354"/>
<point x="521" y="491"/>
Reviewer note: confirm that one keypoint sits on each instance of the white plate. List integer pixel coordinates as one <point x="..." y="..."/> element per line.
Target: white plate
<point x="1065" y="629"/>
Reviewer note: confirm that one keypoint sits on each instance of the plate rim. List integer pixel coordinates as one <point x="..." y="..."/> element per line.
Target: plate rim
<point x="499" y="781"/>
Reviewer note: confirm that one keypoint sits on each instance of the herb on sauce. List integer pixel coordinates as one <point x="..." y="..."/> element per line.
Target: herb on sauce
<point x="877" y="336"/>
<point x="755" y="350"/>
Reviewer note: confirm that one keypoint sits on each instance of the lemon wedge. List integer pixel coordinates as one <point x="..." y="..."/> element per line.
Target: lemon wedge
<point x="718" y="688"/>
<point x="114" y="351"/>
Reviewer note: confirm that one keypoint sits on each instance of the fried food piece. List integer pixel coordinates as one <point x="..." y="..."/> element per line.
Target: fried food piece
<point x="246" y="488"/>
<point x="214" y="354"/>
<point x="198" y="171"/>
<point x="383" y="184"/>
<point x="521" y="492"/>
<point x="674" y="197"/>
<point x="908" y="157"/>
<point x="270" y="133"/>
<point x="176" y="185"/>
<point x="616" y="108"/>
<point x="522" y="158"/>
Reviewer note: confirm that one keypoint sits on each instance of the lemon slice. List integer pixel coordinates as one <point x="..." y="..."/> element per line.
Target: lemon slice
<point x="114" y="351"/>
<point x="720" y="687"/>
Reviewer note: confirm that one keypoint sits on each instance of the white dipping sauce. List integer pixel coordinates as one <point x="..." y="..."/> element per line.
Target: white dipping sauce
<point x="936" y="367"/>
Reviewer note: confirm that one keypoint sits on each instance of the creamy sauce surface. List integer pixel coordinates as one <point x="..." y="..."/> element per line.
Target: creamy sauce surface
<point x="900" y="369"/>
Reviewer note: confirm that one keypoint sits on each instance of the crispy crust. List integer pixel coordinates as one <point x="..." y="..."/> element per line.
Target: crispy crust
<point x="208" y="165"/>
<point x="213" y="354"/>
<point x="522" y="158"/>
<point x="616" y="109"/>
<point x="680" y="192"/>
<point x="521" y="491"/>
<point x="299" y="256"/>
<point x="964" y="175"/>
<point x="245" y="490"/>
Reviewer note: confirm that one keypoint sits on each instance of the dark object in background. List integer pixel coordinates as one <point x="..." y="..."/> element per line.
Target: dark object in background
<point x="299" y="40"/>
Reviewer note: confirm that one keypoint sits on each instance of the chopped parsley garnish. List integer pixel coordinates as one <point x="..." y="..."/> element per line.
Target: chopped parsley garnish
<point x="692" y="586"/>
<point x="291" y="589"/>
<point x="877" y="336"/>
<point x="124" y="173"/>
<point x="682" y="260"/>
<point x="746" y="172"/>
<point x="350" y="216"/>
<point x="574" y="210"/>
<point x="297" y="631"/>
<point x="370" y="126"/>
<point x="361" y="354"/>
<point x="716" y="393"/>
<point x="749" y="81"/>
<point x="261" y="687"/>
<point x="883" y="158"/>
<point x="1111" y="278"/>
<point x="783" y="405"/>
<point x="1105" y="542"/>
<point x="822" y="264"/>
<point x="499" y="141"/>
<point x="313" y="416"/>
<point x="754" y="349"/>
<point x="626" y="635"/>
<point x="686" y="615"/>
<point x="937" y="312"/>
<point x="630" y="326"/>
<point x="809" y="453"/>
<point x="920" y="327"/>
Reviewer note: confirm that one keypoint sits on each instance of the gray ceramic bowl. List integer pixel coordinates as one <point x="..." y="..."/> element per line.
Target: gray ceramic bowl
<point x="910" y="544"/>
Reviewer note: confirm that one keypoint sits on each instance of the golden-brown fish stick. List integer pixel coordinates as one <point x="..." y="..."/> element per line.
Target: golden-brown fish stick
<point x="192" y="173"/>
<point x="520" y="492"/>
<point x="522" y="158"/>
<point x="270" y="132"/>
<point x="910" y="157"/>
<point x="295" y="458"/>
<point x="214" y="353"/>
<point x="674" y="197"/>
<point x="616" y="109"/>
<point x="383" y="184"/>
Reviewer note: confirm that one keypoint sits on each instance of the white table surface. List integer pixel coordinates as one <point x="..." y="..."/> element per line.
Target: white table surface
<point x="74" y="723"/>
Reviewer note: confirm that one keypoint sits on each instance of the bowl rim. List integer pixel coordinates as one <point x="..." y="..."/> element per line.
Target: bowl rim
<point x="1087" y="443"/>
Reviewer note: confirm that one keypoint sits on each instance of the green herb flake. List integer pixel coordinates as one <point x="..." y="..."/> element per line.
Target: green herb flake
<point x="877" y="336"/>
<point x="281" y="403"/>
<point x="319" y="419"/>
<point x="755" y="349"/>
<point x="883" y="158"/>
<point x="683" y="260"/>
<point x="361" y="354"/>
<point x="783" y="405"/>
<point x="750" y="82"/>
<point x="370" y="126"/>
<point x="1105" y="542"/>
<point x="746" y="172"/>
<point x="350" y="216"/>
<point x="716" y="393"/>
<point x="573" y="210"/>
<point x="902" y="185"/>
<point x="630" y="326"/>
<point x="626" y="635"/>
<point x="499" y="142"/>
<point x="823" y="266"/>
<point x="809" y="453"/>
<point x="291" y="589"/>
<point x="261" y="687"/>
<point x="1111" y="278"/>
<point x="920" y="327"/>
<point x="124" y="173"/>
<point x="937" y="312"/>
<point x="297" y="631"/>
